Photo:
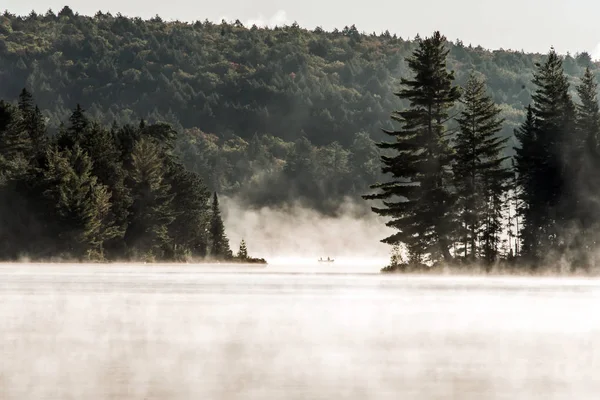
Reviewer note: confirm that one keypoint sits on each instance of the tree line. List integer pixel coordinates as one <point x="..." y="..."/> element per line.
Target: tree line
<point x="97" y="193"/>
<point x="295" y="94"/>
<point x="455" y="198"/>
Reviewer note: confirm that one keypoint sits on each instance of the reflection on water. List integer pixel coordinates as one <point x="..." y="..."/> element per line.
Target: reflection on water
<point x="293" y="332"/>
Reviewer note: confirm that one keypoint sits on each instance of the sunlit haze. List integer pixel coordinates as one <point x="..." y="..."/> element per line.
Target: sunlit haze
<point x="177" y="333"/>
<point x="195" y="210"/>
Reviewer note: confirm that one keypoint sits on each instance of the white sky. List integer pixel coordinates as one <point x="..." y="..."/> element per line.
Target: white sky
<point x="531" y="25"/>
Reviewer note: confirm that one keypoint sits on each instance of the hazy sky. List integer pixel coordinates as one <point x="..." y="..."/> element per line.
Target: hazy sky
<point x="531" y="25"/>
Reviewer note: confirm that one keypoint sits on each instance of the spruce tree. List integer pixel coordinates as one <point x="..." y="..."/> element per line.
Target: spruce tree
<point x="191" y="208"/>
<point x="419" y="198"/>
<point x="100" y="144"/>
<point x="588" y="177"/>
<point x="530" y="198"/>
<point x="78" y="121"/>
<point x="75" y="132"/>
<point x="480" y="178"/>
<point x="26" y="104"/>
<point x="33" y="122"/>
<point x="552" y="203"/>
<point x="243" y="251"/>
<point x="588" y="119"/>
<point x="219" y="244"/>
<point x="151" y="211"/>
<point x="15" y="143"/>
<point x="81" y="203"/>
<point x="36" y="126"/>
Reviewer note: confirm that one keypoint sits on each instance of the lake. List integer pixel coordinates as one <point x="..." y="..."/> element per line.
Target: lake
<point x="293" y="331"/>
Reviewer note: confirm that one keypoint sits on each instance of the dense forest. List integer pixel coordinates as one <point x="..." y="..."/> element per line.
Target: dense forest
<point x="96" y="193"/>
<point x="490" y="156"/>
<point x="455" y="198"/>
<point x="271" y="115"/>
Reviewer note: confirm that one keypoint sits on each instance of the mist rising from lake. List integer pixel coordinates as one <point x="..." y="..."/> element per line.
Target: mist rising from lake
<point x="229" y="332"/>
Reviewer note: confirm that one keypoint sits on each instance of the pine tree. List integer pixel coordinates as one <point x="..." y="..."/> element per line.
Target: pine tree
<point x="219" y="244"/>
<point x="243" y="251"/>
<point x="26" y="105"/>
<point x="75" y="132"/>
<point x="419" y="198"/>
<point x="529" y="170"/>
<point x="36" y="127"/>
<point x="588" y="118"/>
<point x="78" y="121"/>
<point x="480" y="178"/>
<point x="100" y="144"/>
<point x="81" y="203"/>
<point x="33" y="122"/>
<point x="151" y="212"/>
<point x="15" y="144"/>
<point x="189" y="230"/>
<point x="550" y="199"/>
<point x="588" y="178"/>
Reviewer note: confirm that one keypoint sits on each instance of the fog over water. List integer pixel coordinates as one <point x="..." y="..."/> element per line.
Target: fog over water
<point x="300" y="235"/>
<point x="292" y="332"/>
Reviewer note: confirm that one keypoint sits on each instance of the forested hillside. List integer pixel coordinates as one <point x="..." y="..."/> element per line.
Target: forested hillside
<point x="276" y="114"/>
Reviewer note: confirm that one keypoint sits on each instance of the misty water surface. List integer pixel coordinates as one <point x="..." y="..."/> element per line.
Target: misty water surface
<point x="293" y="332"/>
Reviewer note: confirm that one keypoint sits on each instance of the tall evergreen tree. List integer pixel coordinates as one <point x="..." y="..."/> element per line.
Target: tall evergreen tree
<point x="419" y="197"/>
<point x="78" y="121"/>
<point x="551" y="199"/>
<point x="26" y="104"/>
<point x="588" y="177"/>
<point x="219" y="244"/>
<point x="15" y="143"/>
<point x="480" y="178"/>
<point x="81" y="203"/>
<point x="529" y="170"/>
<point x="588" y="118"/>
<point x="151" y="212"/>
<point x="243" y="251"/>
<point x="33" y="122"/>
<point x="191" y="199"/>
<point x="100" y="144"/>
<point x="75" y="132"/>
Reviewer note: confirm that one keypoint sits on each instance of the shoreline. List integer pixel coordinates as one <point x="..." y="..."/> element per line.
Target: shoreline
<point x="435" y="272"/>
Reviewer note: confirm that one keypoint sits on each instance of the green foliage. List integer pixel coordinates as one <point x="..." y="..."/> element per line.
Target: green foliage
<point x="33" y="123"/>
<point x="81" y="204"/>
<point x="243" y="251"/>
<point x="219" y="244"/>
<point x="547" y="162"/>
<point x="528" y="160"/>
<point x="99" y="143"/>
<point x="190" y="204"/>
<point x="418" y="198"/>
<point x="278" y="116"/>
<point x="151" y="211"/>
<point x="90" y="193"/>
<point x="588" y="178"/>
<point x="480" y="179"/>
<point x="225" y="79"/>
<point x="15" y="144"/>
<point x="552" y="183"/>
